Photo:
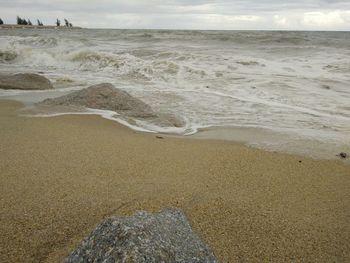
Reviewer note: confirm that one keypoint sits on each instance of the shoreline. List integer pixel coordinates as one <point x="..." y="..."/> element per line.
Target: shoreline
<point x="259" y="138"/>
<point x="274" y="141"/>
<point x="61" y="176"/>
<point x="247" y="136"/>
<point x="14" y="26"/>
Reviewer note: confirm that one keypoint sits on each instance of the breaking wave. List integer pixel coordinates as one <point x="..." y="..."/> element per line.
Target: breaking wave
<point x="291" y="81"/>
<point x="39" y="42"/>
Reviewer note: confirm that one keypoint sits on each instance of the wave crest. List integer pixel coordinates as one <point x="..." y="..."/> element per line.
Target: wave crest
<point x="39" y="42"/>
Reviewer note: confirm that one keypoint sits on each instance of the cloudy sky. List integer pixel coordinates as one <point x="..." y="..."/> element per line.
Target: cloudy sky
<point x="187" y="14"/>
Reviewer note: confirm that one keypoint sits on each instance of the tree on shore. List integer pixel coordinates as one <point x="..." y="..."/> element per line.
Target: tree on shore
<point x="21" y="21"/>
<point x="39" y="22"/>
<point x="67" y="23"/>
<point x="1" y="22"/>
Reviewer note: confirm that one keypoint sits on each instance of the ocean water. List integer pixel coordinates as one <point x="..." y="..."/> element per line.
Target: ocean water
<point x="286" y="91"/>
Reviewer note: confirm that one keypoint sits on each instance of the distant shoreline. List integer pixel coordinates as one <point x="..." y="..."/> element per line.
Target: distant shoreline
<point x="14" y="26"/>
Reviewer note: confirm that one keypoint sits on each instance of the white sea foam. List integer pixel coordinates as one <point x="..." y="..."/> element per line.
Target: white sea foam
<point x="291" y="82"/>
<point x="109" y="115"/>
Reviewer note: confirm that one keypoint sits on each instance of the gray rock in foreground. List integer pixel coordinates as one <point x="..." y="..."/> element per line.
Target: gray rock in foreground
<point x="104" y="97"/>
<point x="143" y="238"/>
<point x="25" y="81"/>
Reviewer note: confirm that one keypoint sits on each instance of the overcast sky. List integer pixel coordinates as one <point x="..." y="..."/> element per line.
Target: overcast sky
<point x="186" y="14"/>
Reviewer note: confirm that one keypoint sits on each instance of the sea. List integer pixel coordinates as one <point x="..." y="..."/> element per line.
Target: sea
<point x="278" y="90"/>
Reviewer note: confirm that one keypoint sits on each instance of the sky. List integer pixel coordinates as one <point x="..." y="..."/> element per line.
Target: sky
<point x="186" y="14"/>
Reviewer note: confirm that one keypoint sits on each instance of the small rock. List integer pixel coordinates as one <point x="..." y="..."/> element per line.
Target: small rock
<point x="144" y="238"/>
<point x="7" y="56"/>
<point x="25" y="81"/>
<point x="342" y="155"/>
<point x="159" y="137"/>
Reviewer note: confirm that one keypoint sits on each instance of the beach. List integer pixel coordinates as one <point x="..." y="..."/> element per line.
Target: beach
<point x="278" y="90"/>
<point x="61" y="176"/>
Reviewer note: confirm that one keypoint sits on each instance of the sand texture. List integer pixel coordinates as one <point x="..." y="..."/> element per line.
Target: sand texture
<point x="61" y="176"/>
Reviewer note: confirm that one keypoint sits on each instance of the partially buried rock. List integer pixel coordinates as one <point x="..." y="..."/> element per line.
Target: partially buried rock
<point x="342" y="155"/>
<point x="25" y="81"/>
<point x="7" y="56"/>
<point x="104" y="97"/>
<point x="107" y="97"/>
<point x="143" y="238"/>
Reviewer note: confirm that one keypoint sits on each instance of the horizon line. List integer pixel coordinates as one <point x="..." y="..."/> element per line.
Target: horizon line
<point x="181" y="29"/>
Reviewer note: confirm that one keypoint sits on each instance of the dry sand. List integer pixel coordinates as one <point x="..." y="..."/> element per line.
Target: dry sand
<point x="61" y="176"/>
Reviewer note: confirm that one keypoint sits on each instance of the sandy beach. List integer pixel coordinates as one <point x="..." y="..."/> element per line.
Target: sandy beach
<point x="61" y="176"/>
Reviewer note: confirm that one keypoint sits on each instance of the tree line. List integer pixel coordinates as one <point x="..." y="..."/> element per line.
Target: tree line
<point x="66" y="23"/>
<point x="23" y="21"/>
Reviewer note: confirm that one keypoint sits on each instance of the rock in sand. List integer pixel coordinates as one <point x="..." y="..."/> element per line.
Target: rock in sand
<point x="342" y="155"/>
<point x="144" y="238"/>
<point x="25" y="81"/>
<point x="104" y="97"/>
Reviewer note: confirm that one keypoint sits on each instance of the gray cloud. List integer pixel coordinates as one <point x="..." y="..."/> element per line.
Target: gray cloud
<point x="186" y="14"/>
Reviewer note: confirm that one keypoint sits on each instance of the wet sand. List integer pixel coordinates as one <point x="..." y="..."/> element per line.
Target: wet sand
<point x="61" y="176"/>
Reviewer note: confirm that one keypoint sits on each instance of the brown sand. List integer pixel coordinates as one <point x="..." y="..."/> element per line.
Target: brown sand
<point x="61" y="176"/>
